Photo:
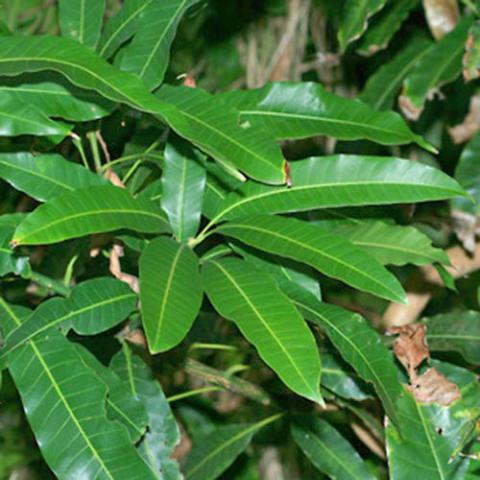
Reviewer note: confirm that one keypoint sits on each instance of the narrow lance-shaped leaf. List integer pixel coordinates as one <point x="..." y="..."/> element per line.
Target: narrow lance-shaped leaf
<point x="299" y="110"/>
<point x="183" y="185"/>
<point x="266" y="318"/>
<point x="440" y="64"/>
<point x="149" y="52"/>
<point x="43" y="177"/>
<point x="170" y="292"/>
<point x="86" y="211"/>
<point x="342" y="181"/>
<point x="328" y="450"/>
<point x="81" y="20"/>
<point x="328" y="253"/>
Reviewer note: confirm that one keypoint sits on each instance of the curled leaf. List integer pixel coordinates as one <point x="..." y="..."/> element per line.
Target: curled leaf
<point x="432" y="386"/>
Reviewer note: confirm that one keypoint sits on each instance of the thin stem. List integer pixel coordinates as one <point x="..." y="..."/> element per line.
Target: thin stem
<point x="77" y="141"/>
<point x="135" y="156"/>
<point x="192" y="393"/>
<point x="211" y="346"/>
<point x="92" y="138"/>
<point x="132" y="170"/>
<point x="50" y="283"/>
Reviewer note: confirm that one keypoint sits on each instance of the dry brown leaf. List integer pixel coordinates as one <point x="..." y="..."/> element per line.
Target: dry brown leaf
<point x="432" y="386"/>
<point x="116" y="269"/>
<point x="466" y="227"/>
<point x="409" y="110"/>
<point x="471" y="124"/>
<point x="442" y="16"/>
<point x="114" y="178"/>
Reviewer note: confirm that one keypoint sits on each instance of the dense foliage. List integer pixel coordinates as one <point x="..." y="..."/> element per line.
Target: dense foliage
<point x="221" y="226"/>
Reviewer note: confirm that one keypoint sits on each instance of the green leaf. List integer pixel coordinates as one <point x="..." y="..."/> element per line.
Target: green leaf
<point x="65" y="406"/>
<point x="56" y="97"/>
<point x="268" y="320"/>
<point x="354" y="21"/>
<point x="440" y="64"/>
<point x="94" y="306"/>
<point x="393" y="244"/>
<point x="458" y="331"/>
<point x="305" y="109"/>
<point x="86" y="211"/>
<point x="382" y="87"/>
<point x="330" y="254"/>
<point x="81" y="20"/>
<point x="212" y="124"/>
<point x="341" y="181"/>
<point x="18" y="118"/>
<point x="328" y="450"/>
<point x="43" y="177"/>
<point x="163" y="433"/>
<point x="9" y="263"/>
<point x="385" y="26"/>
<point x="471" y="59"/>
<point x="215" y="451"/>
<point x="149" y="52"/>
<point x="358" y="344"/>
<point x="170" y="292"/>
<point x="183" y="185"/>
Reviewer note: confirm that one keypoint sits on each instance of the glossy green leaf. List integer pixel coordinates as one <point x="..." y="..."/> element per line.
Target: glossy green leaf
<point x="458" y="331"/>
<point x="268" y="320"/>
<point x="358" y="344"/>
<point x="213" y="125"/>
<point x="299" y="110"/>
<point x="163" y="434"/>
<point x="86" y="211"/>
<point x="149" y="52"/>
<point x="354" y="21"/>
<point x="440" y="64"/>
<point x="170" y="292"/>
<point x="215" y="451"/>
<point x="385" y="26"/>
<point x="183" y="186"/>
<point x="9" y="263"/>
<point x="330" y="254"/>
<point x="43" y="177"/>
<point x="340" y="181"/>
<point x="328" y="450"/>
<point x="382" y="86"/>
<point x="471" y="59"/>
<point x="393" y="244"/>
<point x="81" y="20"/>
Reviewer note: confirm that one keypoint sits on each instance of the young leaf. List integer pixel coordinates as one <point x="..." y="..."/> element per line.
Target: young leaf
<point x="86" y="211"/>
<point x="149" y="52"/>
<point x="341" y="181"/>
<point x="170" y="292"/>
<point x="329" y="254"/>
<point x="81" y="20"/>
<point x="43" y="177"/>
<point x="440" y="64"/>
<point x="328" y="450"/>
<point x="301" y="110"/>
<point x="266" y="318"/>
<point x="183" y="185"/>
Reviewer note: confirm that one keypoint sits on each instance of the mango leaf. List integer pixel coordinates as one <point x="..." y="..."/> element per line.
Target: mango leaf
<point x="440" y="64"/>
<point x="385" y="26"/>
<point x="341" y="181"/>
<point x="170" y="292"/>
<point x="45" y="176"/>
<point x="471" y="58"/>
<point x="183" y="185"/>
<point x="328" y="253"/>
<point x="163" y="433"/>
<point x="93" y="306"/>
<point x="81" y="20"/>
<point x="393" y="244"/>
<point x="216" y="450"/>
<point x="65" y="406"/>
<point x="55" y="97"/>
<point x="356" y="14"/>
<point x="458" y="331"/>
<point x="25" y="119"/>
<point x="149" y="52"/>
<point x="89" y="210"/>
<point x="328" y="450"/>
<point x="9" y="263"/>
<point x="211" y="123"/>
<point x="268" y="320"/>
<point x="122" y="26"/>
<point x="301" y="110"/>
<point x="358" y="344"/>
<point x="382" y="87"/>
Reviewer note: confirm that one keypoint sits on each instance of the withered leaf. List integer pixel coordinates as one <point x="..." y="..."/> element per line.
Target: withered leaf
<point x="442" y="16"/>
<point x="471" y="124"/>
<point x="432" y="386"/>
<point x="471" y="58"/>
